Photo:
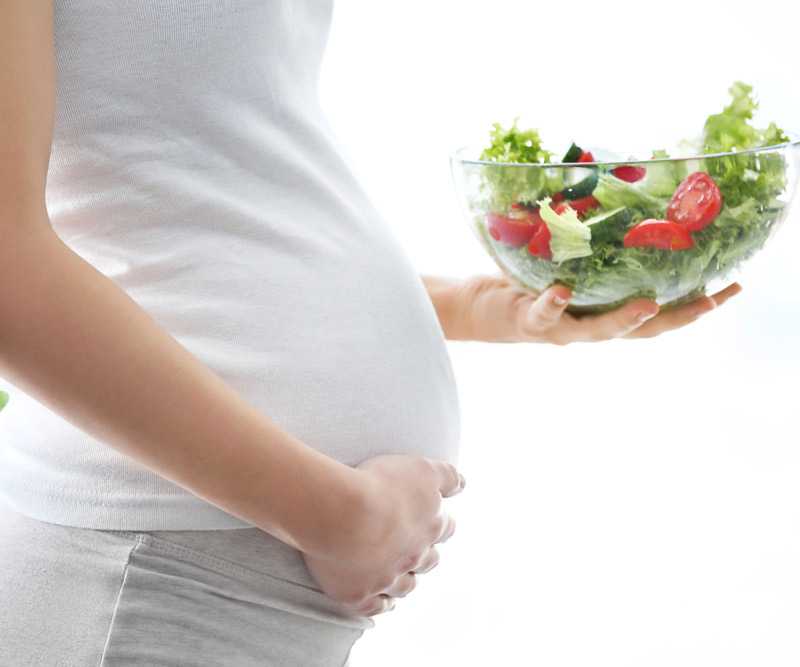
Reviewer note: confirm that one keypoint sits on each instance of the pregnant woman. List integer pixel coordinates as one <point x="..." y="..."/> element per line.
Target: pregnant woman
<point x="233" y="421"/>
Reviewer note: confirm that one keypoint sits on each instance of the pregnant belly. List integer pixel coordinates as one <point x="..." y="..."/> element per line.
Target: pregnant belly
<point x="352" y="371"/>
<point x="352" y="398"/>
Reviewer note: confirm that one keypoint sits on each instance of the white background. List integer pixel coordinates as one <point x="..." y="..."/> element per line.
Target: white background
<point x="629" y="502"/>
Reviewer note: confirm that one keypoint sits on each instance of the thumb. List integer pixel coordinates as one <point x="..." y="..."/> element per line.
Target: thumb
<point x="451" y="482"/>
<point x="545" y="311"/>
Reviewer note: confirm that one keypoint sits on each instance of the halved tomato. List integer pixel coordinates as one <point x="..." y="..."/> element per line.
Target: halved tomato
<point x="515" y="229"/>
<point x="540" y="243"/>
<point x="661" y="234"/>
<point x="629" y="173"/>
<point x="696" y="202"/>
<point x="581" y="206"/>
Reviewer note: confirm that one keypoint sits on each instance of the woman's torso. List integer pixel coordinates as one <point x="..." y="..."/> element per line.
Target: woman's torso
<point x="192" y="164"/>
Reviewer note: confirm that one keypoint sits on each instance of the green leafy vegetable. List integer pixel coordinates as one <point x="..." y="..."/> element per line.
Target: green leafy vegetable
<point x="730" y="130"/>
<point x="753" y="186"/>
<point x="507" y="185"/>
<point x="569" y="237"/>
<point x="747" y="176"/>
<point x="613" y="192"/>
<point x="515" y="145"/>
<point x="662" y="178"/>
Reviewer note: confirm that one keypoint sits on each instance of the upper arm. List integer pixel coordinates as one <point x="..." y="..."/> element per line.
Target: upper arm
<point x="27" y="105"/>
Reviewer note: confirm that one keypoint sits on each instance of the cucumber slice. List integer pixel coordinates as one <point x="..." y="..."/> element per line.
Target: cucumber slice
<point x="581" y="189"/>
<point x="609" y="226"/>
<point x="573" y="153"/>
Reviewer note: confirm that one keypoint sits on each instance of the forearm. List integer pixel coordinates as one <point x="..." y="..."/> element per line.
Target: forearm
<point x="75" y="341"/>
<point x="446" y="297"/>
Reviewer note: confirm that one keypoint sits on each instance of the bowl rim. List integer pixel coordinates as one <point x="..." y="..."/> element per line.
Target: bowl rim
<point x="794" y="140"/>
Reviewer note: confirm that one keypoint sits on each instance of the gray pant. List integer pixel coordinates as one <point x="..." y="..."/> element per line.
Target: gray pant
<point x="77" y="597"/>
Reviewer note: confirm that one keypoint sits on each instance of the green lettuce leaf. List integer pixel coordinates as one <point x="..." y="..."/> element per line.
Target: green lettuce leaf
<point x="569" y="237"/>
<point x="613" y="192"/>
<point x="754" y="198"/>
<point x="731" y="130"/>
<point x="515" y="145"/>
<point x="506" y="185"/>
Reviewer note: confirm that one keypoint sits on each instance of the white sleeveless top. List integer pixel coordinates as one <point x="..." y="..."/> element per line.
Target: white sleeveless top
<point x="192" y="164"/>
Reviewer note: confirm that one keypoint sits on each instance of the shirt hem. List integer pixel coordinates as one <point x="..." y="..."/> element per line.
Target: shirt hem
<point x="179" y="513"/>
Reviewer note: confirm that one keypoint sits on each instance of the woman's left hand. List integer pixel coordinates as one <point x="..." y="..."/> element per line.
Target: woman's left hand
<point x="492" y="309"/>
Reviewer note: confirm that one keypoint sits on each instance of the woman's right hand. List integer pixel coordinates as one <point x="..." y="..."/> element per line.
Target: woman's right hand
<point x="373" y="554"/>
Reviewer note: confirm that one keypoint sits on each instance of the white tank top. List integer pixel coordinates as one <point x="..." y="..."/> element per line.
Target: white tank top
<point x="192" y="164"/>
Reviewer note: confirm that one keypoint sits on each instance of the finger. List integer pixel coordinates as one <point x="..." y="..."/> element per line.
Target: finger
<point x="722" y="296"/>
<point x="675" y="318"/>
<point x="685" y="314"/>
<point x="542" y="313"/>
<point x="451" y="482"/>
<point x="448" y="528"/>
<point x="376" y="605"/>
<point x="402" y="586"/>
<point x="430" y="561"/>
<point x="617" y="323"/>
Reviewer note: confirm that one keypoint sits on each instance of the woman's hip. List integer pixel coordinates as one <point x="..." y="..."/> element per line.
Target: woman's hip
<point x="71" y="597"/>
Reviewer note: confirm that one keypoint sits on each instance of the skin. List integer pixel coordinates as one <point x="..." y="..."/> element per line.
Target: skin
<point x="493" y="309"/>
<point x="71" y="338"/>
<point x="77" y="343"/>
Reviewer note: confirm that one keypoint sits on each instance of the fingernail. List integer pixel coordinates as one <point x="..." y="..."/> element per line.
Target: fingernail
<point x="463" y="481"/>
<point x="559" y="301"/>
<point x="643" y="317"/>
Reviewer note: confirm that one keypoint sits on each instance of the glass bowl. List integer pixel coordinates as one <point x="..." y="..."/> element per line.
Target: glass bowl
<point x="667" y="229"/>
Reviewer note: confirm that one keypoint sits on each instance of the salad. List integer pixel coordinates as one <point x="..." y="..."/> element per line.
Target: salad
<point x="660" y="228"/>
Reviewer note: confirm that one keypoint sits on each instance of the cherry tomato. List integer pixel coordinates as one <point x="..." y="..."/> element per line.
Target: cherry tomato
<point x="558" y="197"/>
<point x="696" y="202"/>
<point x="629" y="173"/>
<point x="586" y="156"/>
<point x="580" y="206"/>
<point x="514" y="231"/>
<point x="540" y="243"/>
<point x="661" y="234"/>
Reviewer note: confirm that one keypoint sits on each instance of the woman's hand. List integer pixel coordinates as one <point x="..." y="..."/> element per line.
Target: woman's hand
<point x="373" y="555"/>
<point x="492" y="309"/>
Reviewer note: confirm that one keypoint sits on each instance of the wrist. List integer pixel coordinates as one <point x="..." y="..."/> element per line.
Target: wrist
<point x="335" y="509"/>
<point x="284" y="487"/>
<point x="446" y="294"/>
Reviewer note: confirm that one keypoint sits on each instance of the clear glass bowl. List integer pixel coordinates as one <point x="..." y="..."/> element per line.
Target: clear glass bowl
<point x="500" y="203"/>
